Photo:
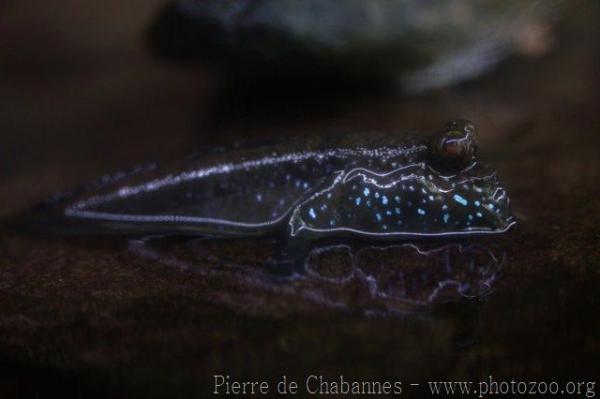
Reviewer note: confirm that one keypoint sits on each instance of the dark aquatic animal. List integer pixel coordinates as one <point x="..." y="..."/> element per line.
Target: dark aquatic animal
<point x="392" y="185"/>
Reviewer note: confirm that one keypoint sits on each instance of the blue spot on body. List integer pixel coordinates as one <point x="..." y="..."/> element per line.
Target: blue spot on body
<point x="470" y="217"/>
<point x="312" y="213"/>
<point x="376" y="194"/>
<point x="446" y="217"/>
<point x="477" y="203"/>
<point x="460" y="200"/>
<point x="397" y="199"/>
<point x="397" y="210"/>
<point x="366" y="191"/>
<point x="479" y="215"/>
<point x="420" y="211"/>
<point x="378" y="216"/>
<point x="384" y="200"/>
<point x="357" y="201"/>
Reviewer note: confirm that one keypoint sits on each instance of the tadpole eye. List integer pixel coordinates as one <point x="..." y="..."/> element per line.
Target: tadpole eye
<point x="454" y="147"/>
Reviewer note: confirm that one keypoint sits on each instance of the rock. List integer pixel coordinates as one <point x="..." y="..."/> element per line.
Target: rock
<point x="422" y="44"/>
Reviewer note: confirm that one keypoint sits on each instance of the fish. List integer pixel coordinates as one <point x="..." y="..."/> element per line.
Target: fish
<point x="380" y="185"/>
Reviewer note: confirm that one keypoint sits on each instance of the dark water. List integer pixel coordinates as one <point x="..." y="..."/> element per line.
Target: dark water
<point x="87" y="316"/>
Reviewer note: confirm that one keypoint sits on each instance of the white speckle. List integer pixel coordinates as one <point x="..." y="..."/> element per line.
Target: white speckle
<point x="259" y="197"/>
<point x="420" y="211"/>
<point x="357" y="201"/>
<point x="312" y="213"/>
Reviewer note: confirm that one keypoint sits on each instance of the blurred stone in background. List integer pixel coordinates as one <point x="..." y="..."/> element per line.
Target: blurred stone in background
<point x="417" y="44"/>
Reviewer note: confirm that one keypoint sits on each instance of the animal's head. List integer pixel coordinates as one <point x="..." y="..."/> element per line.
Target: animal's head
<point x="446" y="191"/>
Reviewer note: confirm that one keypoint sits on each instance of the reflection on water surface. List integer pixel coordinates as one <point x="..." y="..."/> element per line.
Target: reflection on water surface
<point x="369" y="279"/>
